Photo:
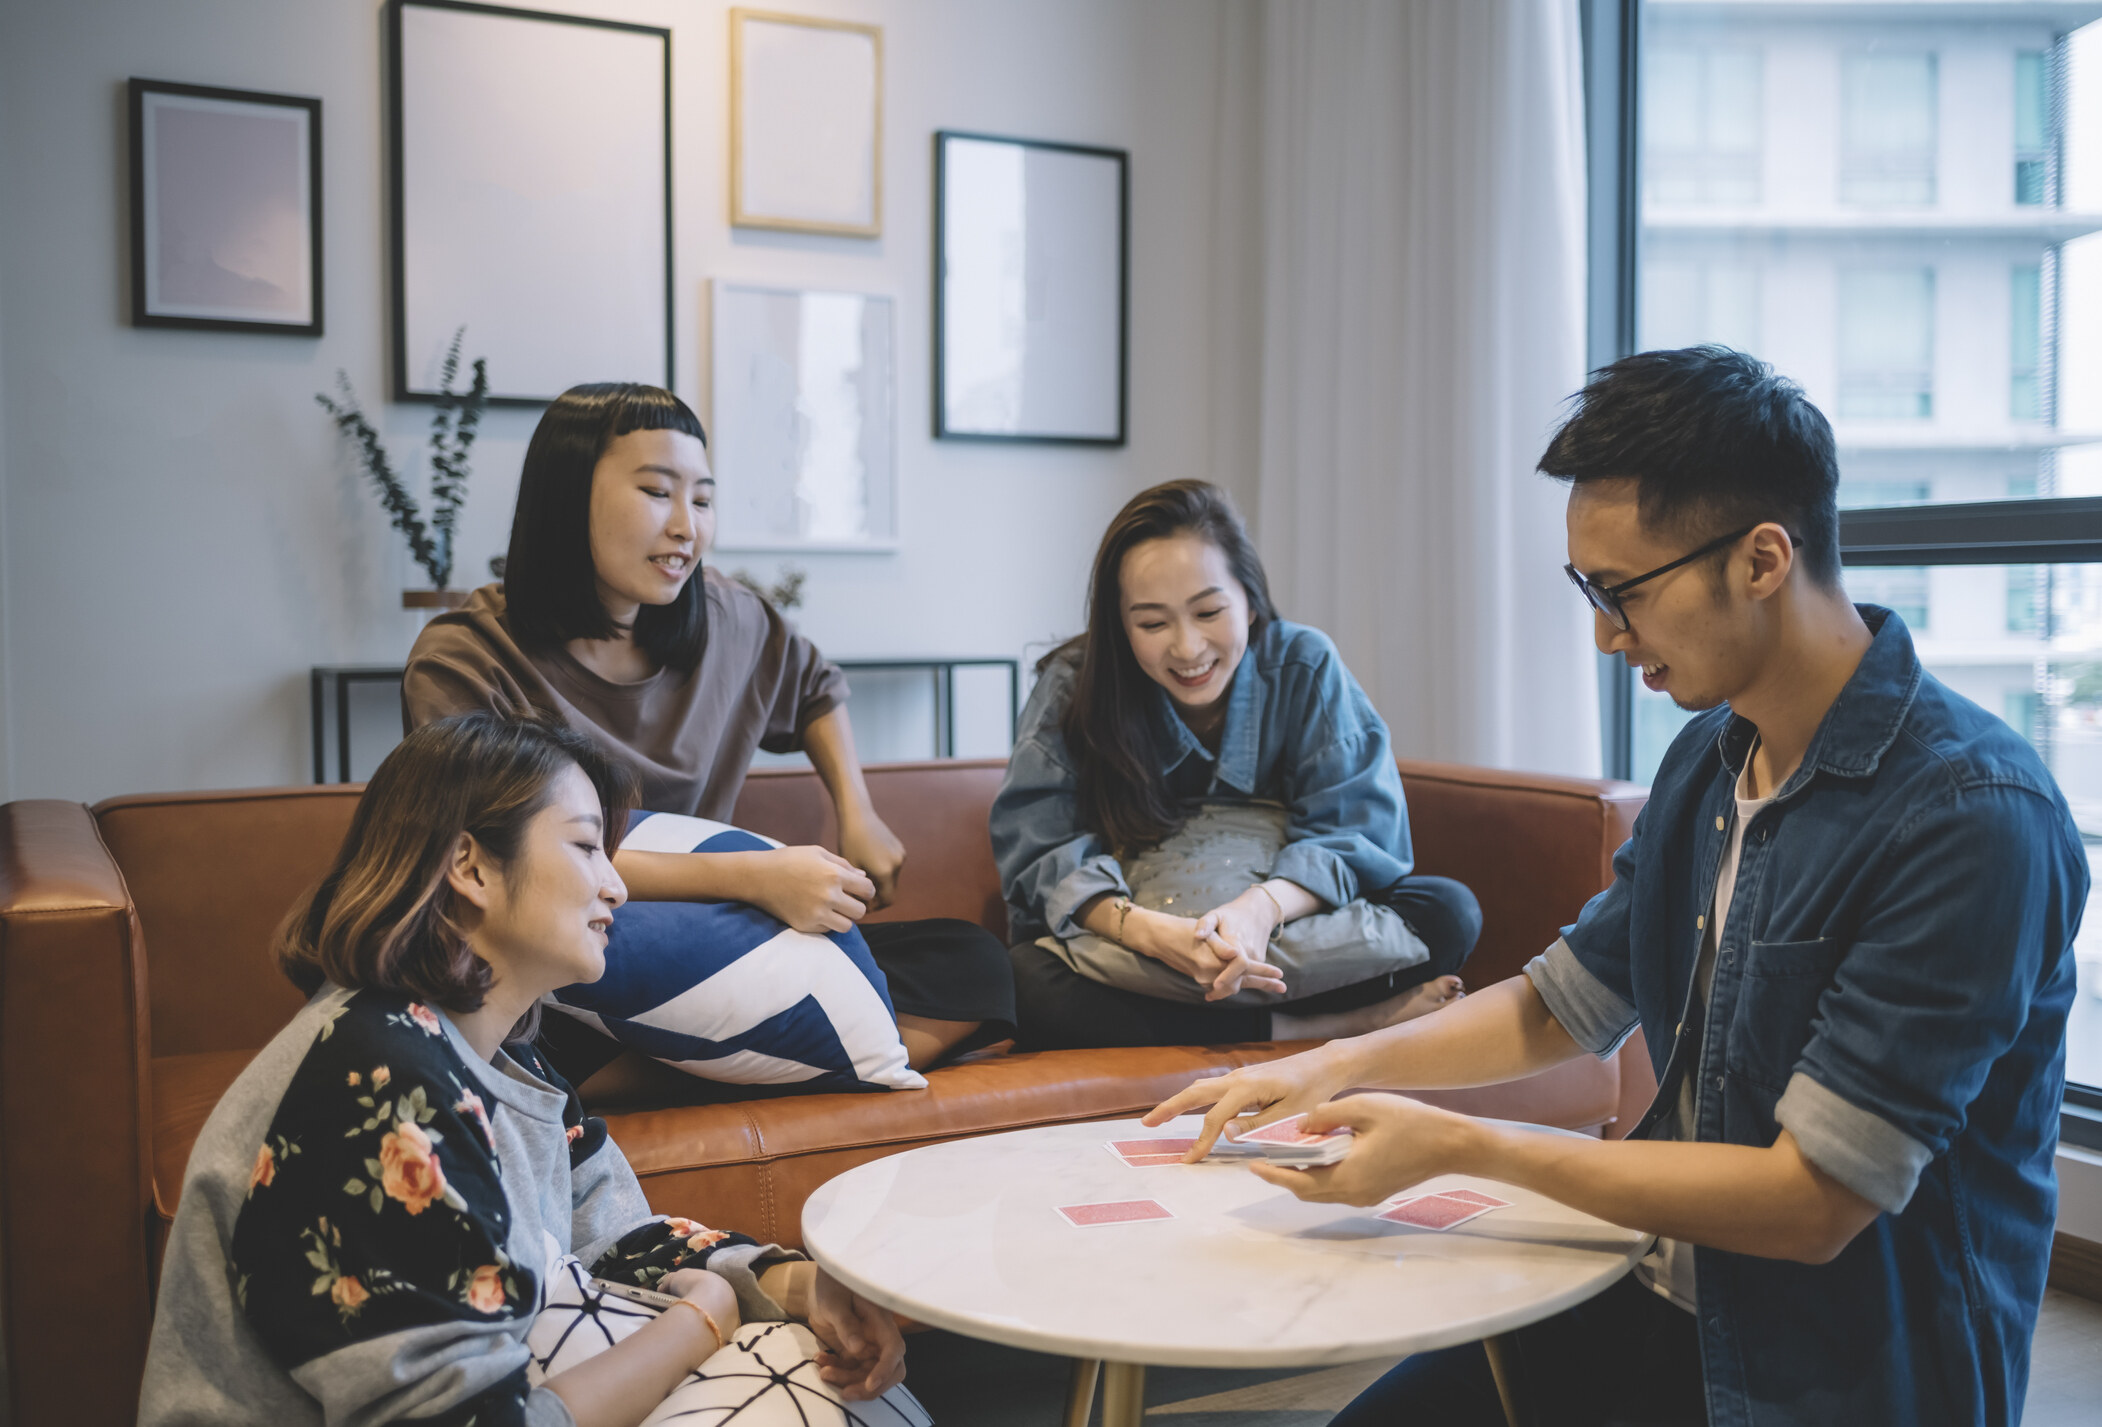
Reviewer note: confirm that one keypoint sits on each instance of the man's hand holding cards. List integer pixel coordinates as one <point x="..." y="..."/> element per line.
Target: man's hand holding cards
<point x="1287" y="1142"/>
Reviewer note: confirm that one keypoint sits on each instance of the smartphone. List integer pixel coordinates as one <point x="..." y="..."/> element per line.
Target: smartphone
<point x="648" y="1297"/>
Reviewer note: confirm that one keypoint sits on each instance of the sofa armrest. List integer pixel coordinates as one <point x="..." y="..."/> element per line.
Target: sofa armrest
<point x="73" y="1143"/>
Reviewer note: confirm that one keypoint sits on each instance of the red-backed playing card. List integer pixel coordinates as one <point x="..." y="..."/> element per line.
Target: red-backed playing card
<point x="1144" y="1152"/>
<point x="1475" y="1196"/>
<point x="1433" y="1211"/>
<point x="1122" y="1211"/>
<point x="1288" y="1132"/>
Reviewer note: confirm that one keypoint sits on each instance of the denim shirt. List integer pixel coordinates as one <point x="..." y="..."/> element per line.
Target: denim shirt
<point x="1299" y="732"/>
<point x="1892" y="989"/>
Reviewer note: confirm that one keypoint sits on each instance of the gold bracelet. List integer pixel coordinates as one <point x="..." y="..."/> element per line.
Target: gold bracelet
<point x="706" y="1317"/>
<point x="1279" y="925"/>
<point x="1123" y="909"/>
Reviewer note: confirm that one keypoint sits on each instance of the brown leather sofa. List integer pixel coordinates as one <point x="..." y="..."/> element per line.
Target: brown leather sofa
<point x="134" y="985"/>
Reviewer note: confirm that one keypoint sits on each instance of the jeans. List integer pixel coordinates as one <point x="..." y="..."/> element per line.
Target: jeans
<point x="1060" y="1009"/>
<point x="1626" y="1358"/>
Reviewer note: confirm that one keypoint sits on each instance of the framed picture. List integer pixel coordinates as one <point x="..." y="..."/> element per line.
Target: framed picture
<point x="1031" y="271"/>
<point x="806" y="124"/>
<point x="805" y="417"/>
<point x="225" y="209"/>
<point x="532" y="197"/>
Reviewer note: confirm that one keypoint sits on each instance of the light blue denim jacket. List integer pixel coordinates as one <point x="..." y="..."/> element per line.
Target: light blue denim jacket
<point x="1299" y="732"/>
<point x="1892" y="989"/>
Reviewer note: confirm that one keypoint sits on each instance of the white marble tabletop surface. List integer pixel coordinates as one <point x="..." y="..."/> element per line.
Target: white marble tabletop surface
<point x="965" y="1235"/>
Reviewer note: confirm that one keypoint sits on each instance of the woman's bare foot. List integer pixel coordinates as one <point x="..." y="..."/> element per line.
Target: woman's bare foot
<point x="1407" y="1006"/>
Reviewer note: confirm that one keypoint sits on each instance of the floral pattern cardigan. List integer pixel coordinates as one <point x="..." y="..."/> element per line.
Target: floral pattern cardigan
<point x="367" y="1221"/>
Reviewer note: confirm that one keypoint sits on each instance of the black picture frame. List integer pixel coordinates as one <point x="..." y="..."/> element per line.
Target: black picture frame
<point x="148" y="308"/>
<point x="404" y="389"/>
<point x="944" y="429"/>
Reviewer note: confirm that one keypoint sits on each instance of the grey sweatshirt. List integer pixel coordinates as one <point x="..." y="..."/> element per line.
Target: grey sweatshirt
<point x="366" y="1224"/>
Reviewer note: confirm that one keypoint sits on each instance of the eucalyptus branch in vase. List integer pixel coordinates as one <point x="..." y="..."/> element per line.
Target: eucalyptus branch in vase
<point x="453" y="428"/>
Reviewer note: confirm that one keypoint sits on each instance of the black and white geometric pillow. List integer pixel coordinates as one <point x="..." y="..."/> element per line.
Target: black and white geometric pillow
<point x="576" y="1321"/>
<point x="767" y="1377"/>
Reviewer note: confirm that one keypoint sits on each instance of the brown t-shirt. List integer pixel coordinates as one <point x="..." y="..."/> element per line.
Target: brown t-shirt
<point x="689" y="737"/>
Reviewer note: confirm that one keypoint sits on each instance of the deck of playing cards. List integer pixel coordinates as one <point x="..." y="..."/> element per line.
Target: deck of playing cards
<point x="1286" y="1142"/>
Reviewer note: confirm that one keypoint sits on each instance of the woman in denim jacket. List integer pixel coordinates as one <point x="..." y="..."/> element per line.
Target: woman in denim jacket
<point x="1202" y="837"/>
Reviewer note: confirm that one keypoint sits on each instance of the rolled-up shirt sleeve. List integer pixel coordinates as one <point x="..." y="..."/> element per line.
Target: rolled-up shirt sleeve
<point x="1050" y="866"/>
<point x="1586" y="976"/>
<point x="1980" y="897"/>
<point x="1595" y="1016"/>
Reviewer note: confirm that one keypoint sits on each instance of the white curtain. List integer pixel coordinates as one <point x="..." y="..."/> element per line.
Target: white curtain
<point x="1421" y="181"/>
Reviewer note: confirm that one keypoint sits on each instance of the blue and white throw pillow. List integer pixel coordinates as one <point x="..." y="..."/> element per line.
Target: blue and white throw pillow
<point x="726" y="992"/>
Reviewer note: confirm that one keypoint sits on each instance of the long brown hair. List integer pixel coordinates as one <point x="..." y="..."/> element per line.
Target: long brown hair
<point x="384" y="915"/>
<point x="1118" y="760"/>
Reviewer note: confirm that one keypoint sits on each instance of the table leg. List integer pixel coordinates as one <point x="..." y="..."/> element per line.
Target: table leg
<point x="1123" y="1395"/>
<point x="1080" y="1392"/>
<point x="1510" y="1383"/>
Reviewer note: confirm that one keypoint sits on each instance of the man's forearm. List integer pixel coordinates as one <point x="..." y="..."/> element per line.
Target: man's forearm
<point x="1771" y="1202"/>
<point x="1501" y="1033"/>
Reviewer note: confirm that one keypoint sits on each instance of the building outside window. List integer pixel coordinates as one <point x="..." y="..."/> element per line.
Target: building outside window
<point x="2032" y="127"/>
<point x="2025" y="342"/>
<point x="1705" y="125"/>
<point x="1886" y="344"/>
<point x="1922" y="250"/>
<point x="1888" y="127"/>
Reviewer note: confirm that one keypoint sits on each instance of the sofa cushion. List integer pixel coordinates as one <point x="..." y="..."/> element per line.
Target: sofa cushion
<point x="728" y="992"/>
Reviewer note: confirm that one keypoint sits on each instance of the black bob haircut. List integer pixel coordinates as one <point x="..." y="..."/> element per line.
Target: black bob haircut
<point x="1714" y="440"/>
<point x="550" y="589"/>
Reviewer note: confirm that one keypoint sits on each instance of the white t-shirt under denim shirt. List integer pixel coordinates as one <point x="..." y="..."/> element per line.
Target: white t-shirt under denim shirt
<point x="1667" y="1268"/>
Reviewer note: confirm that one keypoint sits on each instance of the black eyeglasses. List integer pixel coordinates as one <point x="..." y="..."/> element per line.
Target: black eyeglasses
<point x="1606" y="598"/>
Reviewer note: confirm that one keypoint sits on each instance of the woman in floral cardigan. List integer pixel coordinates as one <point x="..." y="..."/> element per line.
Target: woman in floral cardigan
<point x="386" y="1211"/>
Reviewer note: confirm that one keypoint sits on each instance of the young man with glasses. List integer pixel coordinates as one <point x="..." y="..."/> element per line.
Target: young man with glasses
<point x="1844" y="924"/>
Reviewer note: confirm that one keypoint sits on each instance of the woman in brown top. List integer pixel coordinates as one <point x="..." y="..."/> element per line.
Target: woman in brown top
<point x="606" y="619"/>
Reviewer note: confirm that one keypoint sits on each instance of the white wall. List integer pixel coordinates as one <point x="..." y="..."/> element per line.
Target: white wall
<point x="183" y="537"/>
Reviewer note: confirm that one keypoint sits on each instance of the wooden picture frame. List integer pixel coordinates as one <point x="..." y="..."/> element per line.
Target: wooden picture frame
<point x="806" y="124"/>
<point x="531" y="179"/>
<point x="1035" y="350"/>
<point x="225" y="209"/>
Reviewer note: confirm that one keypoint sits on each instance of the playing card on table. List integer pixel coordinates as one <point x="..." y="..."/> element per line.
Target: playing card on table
<point x="1139" y="1153"/>
<point x="1122" y="1211"/>
<point x="1434" y="1211"/>
<point x="1475" y="1196"/>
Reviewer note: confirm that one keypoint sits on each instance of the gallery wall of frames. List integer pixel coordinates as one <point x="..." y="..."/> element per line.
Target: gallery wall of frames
<point x="940" y="278"/>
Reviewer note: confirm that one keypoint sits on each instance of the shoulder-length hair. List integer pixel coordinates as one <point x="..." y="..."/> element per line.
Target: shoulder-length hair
<point x="550" y="588"/>
<point x="1109" y="727"/>
<point x="385" y="916"/>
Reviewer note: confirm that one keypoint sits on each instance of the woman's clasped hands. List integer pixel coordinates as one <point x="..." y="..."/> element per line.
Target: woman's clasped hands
<point x="1221" y="950"/>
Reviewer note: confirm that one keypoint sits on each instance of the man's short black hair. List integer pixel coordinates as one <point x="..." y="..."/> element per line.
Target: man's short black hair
<point x="1715" y="440"/>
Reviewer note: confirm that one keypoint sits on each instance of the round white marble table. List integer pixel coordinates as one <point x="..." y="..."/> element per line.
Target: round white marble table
<point x="964" y="1235"/>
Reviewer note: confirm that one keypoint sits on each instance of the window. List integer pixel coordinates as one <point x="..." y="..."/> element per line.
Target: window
<point x="2032" y="128"/>
<point x="2025" y="615"/>
<point x="1687" y="302"/>
<point x="1887" y="129"/>
<point x="1886" y="344"/>
<point x="1960" y="362"/>
<point x="1901" y="589"/>
<point x="1703" y="127"/>
<point x="2025" y="343"/>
